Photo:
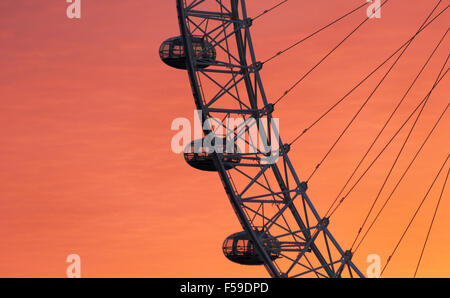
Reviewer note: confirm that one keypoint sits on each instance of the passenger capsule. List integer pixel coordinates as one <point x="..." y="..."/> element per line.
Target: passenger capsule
<point x="240" y="249"/>
<point x="173" y="54"/>
<point x="200" y="157"/>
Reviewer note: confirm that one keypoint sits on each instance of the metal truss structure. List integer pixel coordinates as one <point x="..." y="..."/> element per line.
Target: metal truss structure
<point x="269" y="199"/>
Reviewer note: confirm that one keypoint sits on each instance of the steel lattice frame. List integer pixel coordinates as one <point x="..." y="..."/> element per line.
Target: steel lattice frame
<point x="268" y="197"/>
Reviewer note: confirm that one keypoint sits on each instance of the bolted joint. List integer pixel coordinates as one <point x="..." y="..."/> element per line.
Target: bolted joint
<point x="325" y="221"/>
<point x="269" y="108"/>
<point x="248" y="22"/>
<point x="286" y="148"/>
<point x="258" y="66"/>
<point x="304" y="186"/>
<point x="348" y="255"/>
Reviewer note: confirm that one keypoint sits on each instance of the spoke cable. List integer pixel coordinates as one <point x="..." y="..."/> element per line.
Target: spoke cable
<point x="365" y="79"/>
<point x="314" y="33"/>
<point x="405" y="142"/>
<point x="270" y="9"/>
<point x="414" y="216"/>
<point x="325" y="57"/>
<point x="386" y="123"/>
<point x="401" y="178"/>
<point x="432" y="222"/>
<point x="369" y="97"/>
<point x="385" y="147"/>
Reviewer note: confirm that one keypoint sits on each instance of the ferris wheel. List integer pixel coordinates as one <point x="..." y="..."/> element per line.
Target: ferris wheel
<point x="281" y="229"/>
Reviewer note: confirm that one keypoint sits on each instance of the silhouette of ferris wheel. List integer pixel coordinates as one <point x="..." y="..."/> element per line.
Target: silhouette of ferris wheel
<point x="281" y="228"/>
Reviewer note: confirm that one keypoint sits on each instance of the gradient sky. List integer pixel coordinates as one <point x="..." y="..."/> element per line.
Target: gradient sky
<point x="85" y="160"/>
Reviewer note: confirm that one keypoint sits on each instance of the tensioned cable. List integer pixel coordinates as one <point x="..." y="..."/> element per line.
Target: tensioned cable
<point x="401" y="178"/>
<point x="395" y="161"/>
<point x="326" y="56"/>
<point x="387" y="122"/>
<point x="386" y="146"/>
<point x="365" y="79"/>
<point x="414" y="216"/>
<point x="314" y="33"/>
<point x="432" y="222"/>
<point x="369" y="97"/>
<point x="270" y="9"/>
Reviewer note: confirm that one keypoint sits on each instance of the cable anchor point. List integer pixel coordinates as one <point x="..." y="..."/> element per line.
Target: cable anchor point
<point x="270" y="108"/>
<point x="325" y="221"/>
<point x="348" y="256"/>
<point x="248" y="22"/>
<point x="304" y="186"/>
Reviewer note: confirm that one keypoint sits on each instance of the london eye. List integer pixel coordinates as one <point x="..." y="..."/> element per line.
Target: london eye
<point x="281" y="228"/>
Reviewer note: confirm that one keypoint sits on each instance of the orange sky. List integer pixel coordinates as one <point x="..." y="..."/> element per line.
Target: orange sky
<point x="85" y="160"/>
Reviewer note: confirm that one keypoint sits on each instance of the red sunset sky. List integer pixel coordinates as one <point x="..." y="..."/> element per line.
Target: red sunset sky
<point x="86" y="108"/>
